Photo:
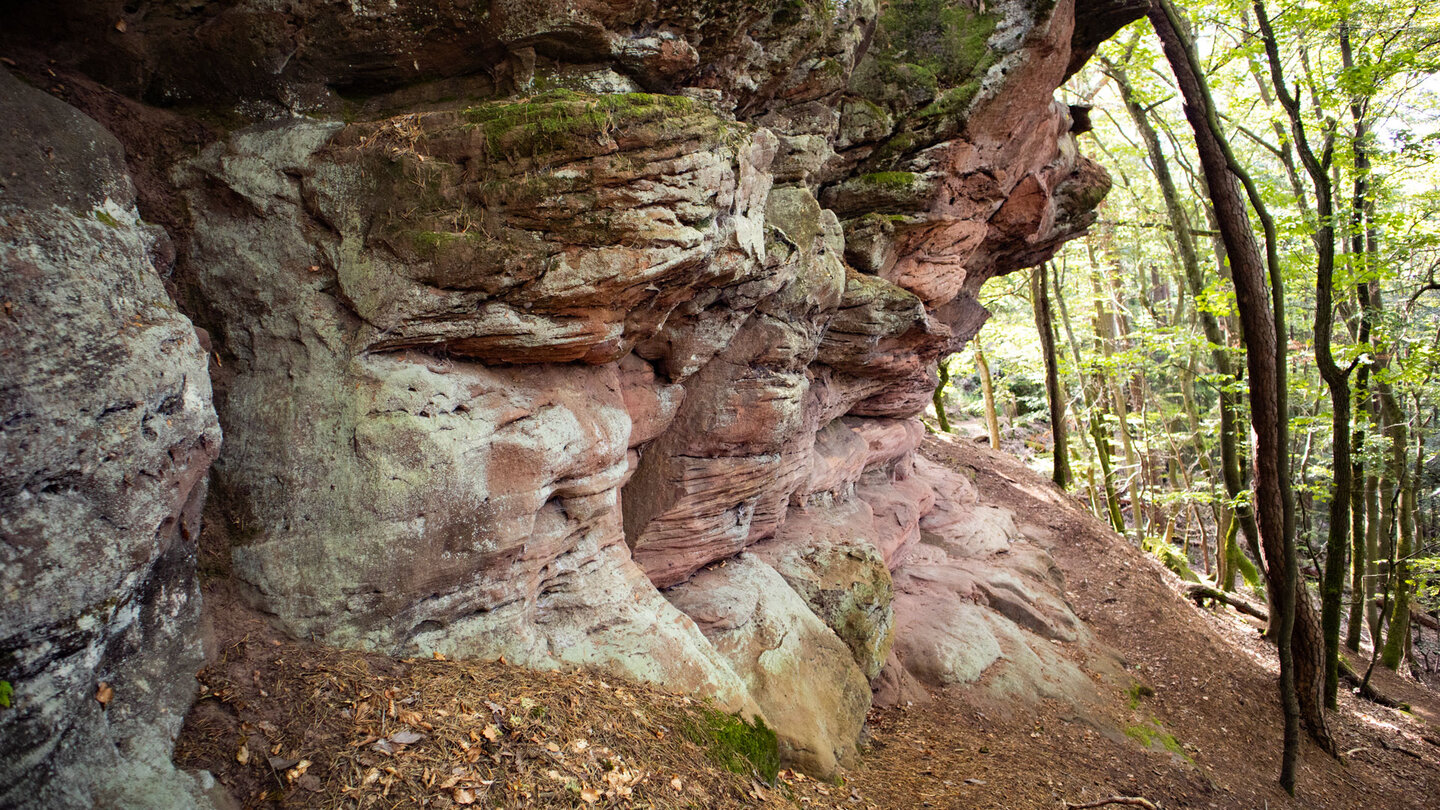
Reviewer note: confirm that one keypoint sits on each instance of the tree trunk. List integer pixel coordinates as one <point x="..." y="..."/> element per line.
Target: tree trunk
<point x="1362" y="242"/>
<point x="1194" y="279"/>
<point x="1393" y="519"/>
<point x="1301" y="650"/>
<point x="992" y="422"/>
<point x="1102" y="450"/>
<point x="1337" y="380"/>
<point x="1040" y="301"/>
<point x="939" y="396"/>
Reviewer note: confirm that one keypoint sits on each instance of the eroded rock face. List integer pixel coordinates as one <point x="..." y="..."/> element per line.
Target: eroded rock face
<point x="108" y="431"/>
<point x="429" y="502"/>
<point x="543" y="307"/>
<point x="977" y="599"/>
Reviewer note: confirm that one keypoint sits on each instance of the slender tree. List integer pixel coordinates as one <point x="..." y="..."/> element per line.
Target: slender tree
<point x="1337" y="380"/>
<point x="938" y="398"/>
<point x="1300" y="685"/>
<point x="1055" y="397"/>
<point x="1194" y="279"/>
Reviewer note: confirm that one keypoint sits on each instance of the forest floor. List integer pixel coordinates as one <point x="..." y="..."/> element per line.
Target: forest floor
<point x="286" y="723"/>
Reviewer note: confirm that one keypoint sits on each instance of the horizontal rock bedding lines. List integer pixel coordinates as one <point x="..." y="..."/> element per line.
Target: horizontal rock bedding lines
<point x="589" y="334"/>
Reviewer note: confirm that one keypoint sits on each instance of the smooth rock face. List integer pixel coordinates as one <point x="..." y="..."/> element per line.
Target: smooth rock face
<point x="525" y="310"/>
<point x="106" y="433"/>
<point x="800" y="672"/>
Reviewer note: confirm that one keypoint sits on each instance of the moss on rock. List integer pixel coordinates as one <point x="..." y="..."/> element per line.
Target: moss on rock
<point x="548" y="121"/>
<point x="898" y="181"/>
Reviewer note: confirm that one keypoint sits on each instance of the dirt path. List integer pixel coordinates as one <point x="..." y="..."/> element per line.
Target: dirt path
<point x="1201" y="693"/>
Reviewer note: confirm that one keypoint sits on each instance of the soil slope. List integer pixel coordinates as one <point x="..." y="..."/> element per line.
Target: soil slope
<point x="1205" y="679"/>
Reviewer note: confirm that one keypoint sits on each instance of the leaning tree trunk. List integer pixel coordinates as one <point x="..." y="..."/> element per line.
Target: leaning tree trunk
<point x="1337" y="380"/>
<point x="1301" y="650"/>
<point x="1189" y="260"/>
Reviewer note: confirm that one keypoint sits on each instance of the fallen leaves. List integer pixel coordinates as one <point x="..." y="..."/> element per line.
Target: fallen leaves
<point x="378" y="732"/>
<point x="104" y="694"/>
<point x="298" y="771"/>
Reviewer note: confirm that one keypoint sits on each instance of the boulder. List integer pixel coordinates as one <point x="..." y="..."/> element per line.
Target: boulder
<point x="108" y="433"/>
<point x="826" y="558"/>
<point x="802" y="675"/>
<point x="977" y="603"/>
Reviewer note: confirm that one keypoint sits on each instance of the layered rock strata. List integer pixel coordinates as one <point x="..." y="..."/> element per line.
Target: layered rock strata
<point x="595" y="333"/>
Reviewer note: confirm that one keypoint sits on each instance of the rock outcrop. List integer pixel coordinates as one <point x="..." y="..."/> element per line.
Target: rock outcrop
<point x="588" y="333"/>
<point x="108" y="430"/>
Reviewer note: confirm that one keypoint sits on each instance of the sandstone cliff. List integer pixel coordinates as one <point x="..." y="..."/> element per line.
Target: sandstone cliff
<point x="575" y="333"/>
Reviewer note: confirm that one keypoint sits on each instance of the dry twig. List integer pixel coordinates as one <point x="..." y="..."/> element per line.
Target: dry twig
<point x="1133" y="801"/>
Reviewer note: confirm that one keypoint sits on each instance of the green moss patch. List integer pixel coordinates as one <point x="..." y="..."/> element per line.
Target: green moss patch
<point x="735" y="745"/>
<point x="1152" y="736"/>
<point x="940" y="35"/>
<point x="898" y="181"/>
<point x="1137" y="692"/>
<point x="550" y="120"/>
<point x="953" y="102"/>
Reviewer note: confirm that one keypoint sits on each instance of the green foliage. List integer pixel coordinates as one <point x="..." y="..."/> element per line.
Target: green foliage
<point x="736" y="745"/>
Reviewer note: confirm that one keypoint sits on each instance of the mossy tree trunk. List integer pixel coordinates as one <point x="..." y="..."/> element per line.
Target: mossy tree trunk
<point x="938" y="398"/>
<point x="1044" y="325"/>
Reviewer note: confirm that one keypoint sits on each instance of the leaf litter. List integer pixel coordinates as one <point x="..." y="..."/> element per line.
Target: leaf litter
<point x="290" y="724"/>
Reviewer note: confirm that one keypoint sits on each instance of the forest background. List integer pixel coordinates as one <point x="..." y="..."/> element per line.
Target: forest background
<point x="1123" y="367"/>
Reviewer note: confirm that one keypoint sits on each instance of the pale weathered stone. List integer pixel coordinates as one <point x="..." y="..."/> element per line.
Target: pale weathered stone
<point x="798" y="671"/>
<point x="108" y="431"/>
